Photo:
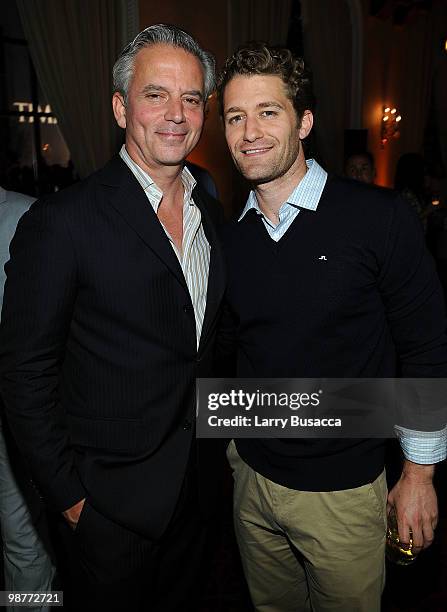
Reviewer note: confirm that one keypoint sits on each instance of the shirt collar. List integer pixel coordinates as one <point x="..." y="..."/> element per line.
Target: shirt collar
<point x="306" y="194"/>
<point x="145" y="180"/>
<point x="189" y="183"/>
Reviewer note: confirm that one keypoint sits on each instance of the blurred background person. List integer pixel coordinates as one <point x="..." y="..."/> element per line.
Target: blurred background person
<point x="409" y="181"/>
<point x="361" y="167"/>
<point x="437" y="241"/>
<point x="27" y="564"/>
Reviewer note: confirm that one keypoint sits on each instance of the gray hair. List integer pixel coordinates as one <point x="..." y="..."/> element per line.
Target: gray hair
<point x="166" y="35"/>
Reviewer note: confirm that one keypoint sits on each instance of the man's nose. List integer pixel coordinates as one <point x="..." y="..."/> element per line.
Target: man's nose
<point x="175" y="111"/>
<point x="252" y="129"/>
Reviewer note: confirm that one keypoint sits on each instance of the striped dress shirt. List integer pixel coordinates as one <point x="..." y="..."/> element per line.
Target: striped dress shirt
<point x="307" y="194"/>
<point x="194" y="258"/>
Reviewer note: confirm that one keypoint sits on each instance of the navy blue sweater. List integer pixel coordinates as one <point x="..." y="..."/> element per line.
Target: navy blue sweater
<point x="372" y="307"/>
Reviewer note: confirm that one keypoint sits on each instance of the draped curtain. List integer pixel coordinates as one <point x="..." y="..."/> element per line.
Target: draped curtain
<point x="401" y="70"/>
<point x="73" y="46"/>
<point x="266" y="20"/>
<point x="439" y="21"/>
<point x="327" y="44"/>
<point x="409" y="79"/>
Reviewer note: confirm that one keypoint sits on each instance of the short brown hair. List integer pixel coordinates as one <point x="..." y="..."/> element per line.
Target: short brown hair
<point x="259" y="58"/>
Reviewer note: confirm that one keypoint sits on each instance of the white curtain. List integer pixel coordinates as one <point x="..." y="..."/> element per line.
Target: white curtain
<point x="73" y="46"/>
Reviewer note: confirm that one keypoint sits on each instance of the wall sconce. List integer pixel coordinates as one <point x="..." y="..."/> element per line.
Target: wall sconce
<point x="390" y="125"/>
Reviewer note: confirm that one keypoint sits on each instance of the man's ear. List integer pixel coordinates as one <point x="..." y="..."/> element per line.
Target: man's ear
<point x="119" y="109"/>
<point x="306" y="124"/>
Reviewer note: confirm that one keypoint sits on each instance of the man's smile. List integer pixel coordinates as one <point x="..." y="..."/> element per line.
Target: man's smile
<point x="171" y="135"/>
<point x="256" y="151"/>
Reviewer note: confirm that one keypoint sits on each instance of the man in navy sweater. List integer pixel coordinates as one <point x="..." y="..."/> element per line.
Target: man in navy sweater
<point x="327" y="277"/>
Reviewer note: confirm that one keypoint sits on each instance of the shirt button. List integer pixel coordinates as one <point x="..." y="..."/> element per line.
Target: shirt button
<point x="187" y="425"/>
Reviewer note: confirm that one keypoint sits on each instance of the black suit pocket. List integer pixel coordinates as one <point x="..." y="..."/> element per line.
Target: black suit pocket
<point x="122" y="435"/>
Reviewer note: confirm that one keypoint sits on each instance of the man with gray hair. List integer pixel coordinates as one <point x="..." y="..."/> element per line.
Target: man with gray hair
<point x="112" y="296"/>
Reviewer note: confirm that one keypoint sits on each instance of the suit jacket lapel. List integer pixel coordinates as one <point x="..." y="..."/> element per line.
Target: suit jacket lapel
<point x="130" y="201"/>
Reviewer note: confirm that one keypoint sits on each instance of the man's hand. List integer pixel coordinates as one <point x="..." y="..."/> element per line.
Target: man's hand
<point x="414" y="499"/>
<point x="72" y="514"/>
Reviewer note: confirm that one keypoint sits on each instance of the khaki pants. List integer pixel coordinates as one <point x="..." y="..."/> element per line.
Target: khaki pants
<point x="308" y="551"/>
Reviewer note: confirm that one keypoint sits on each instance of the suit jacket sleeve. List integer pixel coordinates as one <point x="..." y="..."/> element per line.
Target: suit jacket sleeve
<point x="39" y="296"/>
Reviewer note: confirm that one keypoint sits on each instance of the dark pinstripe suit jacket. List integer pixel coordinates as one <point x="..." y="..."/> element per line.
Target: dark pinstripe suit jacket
<point x="98" y="349"/>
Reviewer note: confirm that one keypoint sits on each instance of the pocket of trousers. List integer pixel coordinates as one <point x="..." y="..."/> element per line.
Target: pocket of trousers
<point x="379" y="492"/>
<point x="233" y="456"/>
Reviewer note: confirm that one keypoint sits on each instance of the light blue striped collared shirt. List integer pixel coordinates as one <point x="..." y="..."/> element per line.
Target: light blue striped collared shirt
<point x="194" y="258"/>
<point x="306" y="194"/>
<point x="418" y="447"/>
